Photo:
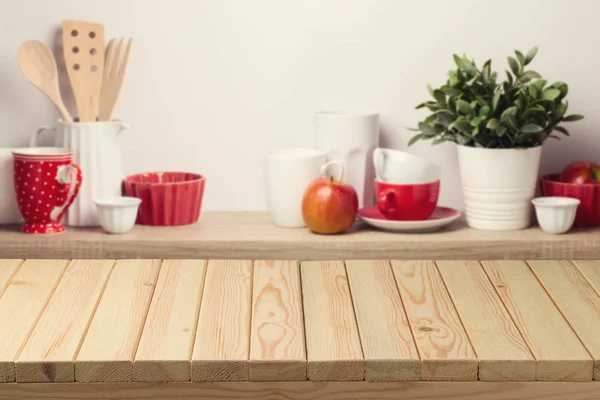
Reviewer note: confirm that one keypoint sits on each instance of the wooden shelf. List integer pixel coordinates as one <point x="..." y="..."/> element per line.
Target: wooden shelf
<point x="243" y="235"/>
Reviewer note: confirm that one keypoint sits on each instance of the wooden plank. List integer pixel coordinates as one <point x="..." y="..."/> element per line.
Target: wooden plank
<point x="502" y="352"/>
<point x="21" y="305"/>
<point x="560" y="355"/>
<point x="332" y="340"/>
<point x="591" y="270"/>
<point x="576" y="299"/>
<point x="305" y="391"/>
<point x="49" y="354"/>
<point x="255" y="235"/>
<point x="108" y="349"/>
<point x="165" y="347"/>
<point x="387" y="343"/>
<point x="8" y="268"/>
<point x="444" y="347"/>
<point x="223" y="338"/>
<point x="277" y="347"/>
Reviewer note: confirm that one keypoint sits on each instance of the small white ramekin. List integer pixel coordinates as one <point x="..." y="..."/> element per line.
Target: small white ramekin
<point x="117" y="214"/>
<point x="555" y="214"/>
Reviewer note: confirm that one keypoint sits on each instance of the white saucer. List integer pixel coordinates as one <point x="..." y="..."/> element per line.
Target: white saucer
<point x="442" y="216"/>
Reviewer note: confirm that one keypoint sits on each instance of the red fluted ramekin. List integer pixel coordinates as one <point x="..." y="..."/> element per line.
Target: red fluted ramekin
<point x="588" y="212"/>
<point x="168" y="198"/>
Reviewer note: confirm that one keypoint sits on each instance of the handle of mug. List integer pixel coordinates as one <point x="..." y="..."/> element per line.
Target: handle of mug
<point x="64" y="176"/>
<point x="33" y="141"/>
<point x="122" y="124"/>
<point x="387" y="203"/>
<point x="340" y="166"/>
<point x="379" y="163"/>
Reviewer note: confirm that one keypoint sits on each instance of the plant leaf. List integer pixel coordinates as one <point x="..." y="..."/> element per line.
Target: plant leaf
<point x="529" y="75"/>
<point x="463" y="107"/>
<point x="562" y="130"/>
<point x="415" y="139"/>
<point x="520" y="57"/>
<point x="430" y="90"/>
<point x="531" y="54"/>
<point x="501" y="131"/>
<point x="493" y="124"/>
<point x="450" y="91"/>
<point x="509" y="112"/>
<point x="495" y="100"/>
<point x="439" y="96"/>
<point x="573" y="117"/>
<point x="427" y="130"/>
<point x="484" y="112"/>
<point x="461" y="124"/>
<point x="475" y="122"/>
<point x="550" y="94"/>
<point x="509" y="77"/>
<point x="559" y="112"/>
<point x="531" y="128"/>
<point x="514" y="65"/>
<point x="539" y="84"/>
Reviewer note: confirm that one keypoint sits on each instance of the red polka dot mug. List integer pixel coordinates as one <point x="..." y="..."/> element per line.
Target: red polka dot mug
<point x="46" y="183"/>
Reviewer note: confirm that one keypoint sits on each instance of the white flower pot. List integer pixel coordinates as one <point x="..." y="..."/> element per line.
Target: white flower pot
<point x="498" y="186"/>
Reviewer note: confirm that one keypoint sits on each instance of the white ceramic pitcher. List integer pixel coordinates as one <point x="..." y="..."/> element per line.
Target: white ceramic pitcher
<point x="351" y="138"/>
<point x="98" y="155"/>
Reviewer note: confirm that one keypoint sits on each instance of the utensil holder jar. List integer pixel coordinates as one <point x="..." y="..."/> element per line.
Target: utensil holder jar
<point x="98" y="154"/>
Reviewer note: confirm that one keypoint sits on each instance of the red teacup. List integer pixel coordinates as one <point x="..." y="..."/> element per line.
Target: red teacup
<point x="46" y="183"/>
<point x="409" y="202"/>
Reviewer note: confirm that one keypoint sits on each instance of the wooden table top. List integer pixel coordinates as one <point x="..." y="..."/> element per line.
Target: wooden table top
<point x="250" y="235"/>
<point x="107" y="321"/>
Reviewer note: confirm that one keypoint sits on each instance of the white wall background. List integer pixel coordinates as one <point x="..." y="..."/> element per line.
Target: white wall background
<point x="214" y="84"/>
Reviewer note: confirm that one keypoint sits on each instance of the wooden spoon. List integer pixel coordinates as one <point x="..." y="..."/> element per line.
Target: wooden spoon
<point x="115" y="66"/>
<point x="37" y="63"/>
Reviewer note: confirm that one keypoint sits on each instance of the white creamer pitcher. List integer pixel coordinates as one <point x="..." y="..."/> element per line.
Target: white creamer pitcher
<point x="98" y="155"/>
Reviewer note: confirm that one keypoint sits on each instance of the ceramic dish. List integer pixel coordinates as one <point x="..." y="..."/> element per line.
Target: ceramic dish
<point x="442" y="216"/>
<point x="555" y="214"/>
<point x="168" y="198"/>
<point x="117" y="214"/>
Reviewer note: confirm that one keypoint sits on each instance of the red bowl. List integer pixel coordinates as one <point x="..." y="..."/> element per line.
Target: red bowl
<point x="588" y="212"/>
<point x="168" y="198"/>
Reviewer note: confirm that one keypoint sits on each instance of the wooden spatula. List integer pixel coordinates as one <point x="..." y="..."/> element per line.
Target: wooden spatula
<point x="115" y="66"/>
<point x="83" y="47"/>
<point x="37" y="63"/>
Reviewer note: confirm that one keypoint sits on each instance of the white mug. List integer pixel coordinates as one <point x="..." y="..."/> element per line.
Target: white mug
<point x="399" y="167"/>
<point x="288" y="174"/>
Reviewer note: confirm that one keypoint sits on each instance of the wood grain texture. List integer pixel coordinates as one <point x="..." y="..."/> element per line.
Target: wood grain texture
<point x="23" y="301"/>
<point x="502" y="352"/>
<point x="49" y="354"/>
<point x="560" y="355"/>
<point x="305" y="391"/>
<point x="165" y="347"/>
<point x="576" y="299"/>
<point x="333" y="345"/>
<point x="444" y="347"/>
<point x="222" y="343"/>
<point x="590" y="269"/>
<point x="387" y="343"/>
<point x="8" y="268"/>
<point x="108" y="349"/>
<point x="277" y="347"/>
<point x="254" y="236"/>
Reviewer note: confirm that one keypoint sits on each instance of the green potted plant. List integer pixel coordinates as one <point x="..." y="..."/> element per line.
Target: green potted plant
<point x="499" y="128"/>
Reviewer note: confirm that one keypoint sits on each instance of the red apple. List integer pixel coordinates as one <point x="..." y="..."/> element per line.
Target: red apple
<point x="329" y="206"/>
<point x="581" y="172"/>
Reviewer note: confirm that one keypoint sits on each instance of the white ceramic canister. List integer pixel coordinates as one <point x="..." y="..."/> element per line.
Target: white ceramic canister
<point x="351" y="138"/>
<point x="98" y="155"/>
<point x="498" y="186"/>
<point x="9" y="209"/>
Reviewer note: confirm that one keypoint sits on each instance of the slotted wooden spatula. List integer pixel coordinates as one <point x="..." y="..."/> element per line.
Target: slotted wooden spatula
<point x="83" y="48"/>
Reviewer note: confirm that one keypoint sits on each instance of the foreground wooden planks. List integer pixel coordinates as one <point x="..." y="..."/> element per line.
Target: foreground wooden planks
<point x="560" y="355"/>
<point x="222" y="341"/>
<point x="168" y="336"/>
<point x="109" y="347"/>
<point x="20" y="306"/>
<point x="49" y="355"/>
<point x="502" y="352"/>
<point x="576" y="299"/>
<point x="332" y="340"/>
<point x="277" y="347"/>
<point x="387" y="342"/>
<point x="305" y="391"/>
<point x="444" y="347"/>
